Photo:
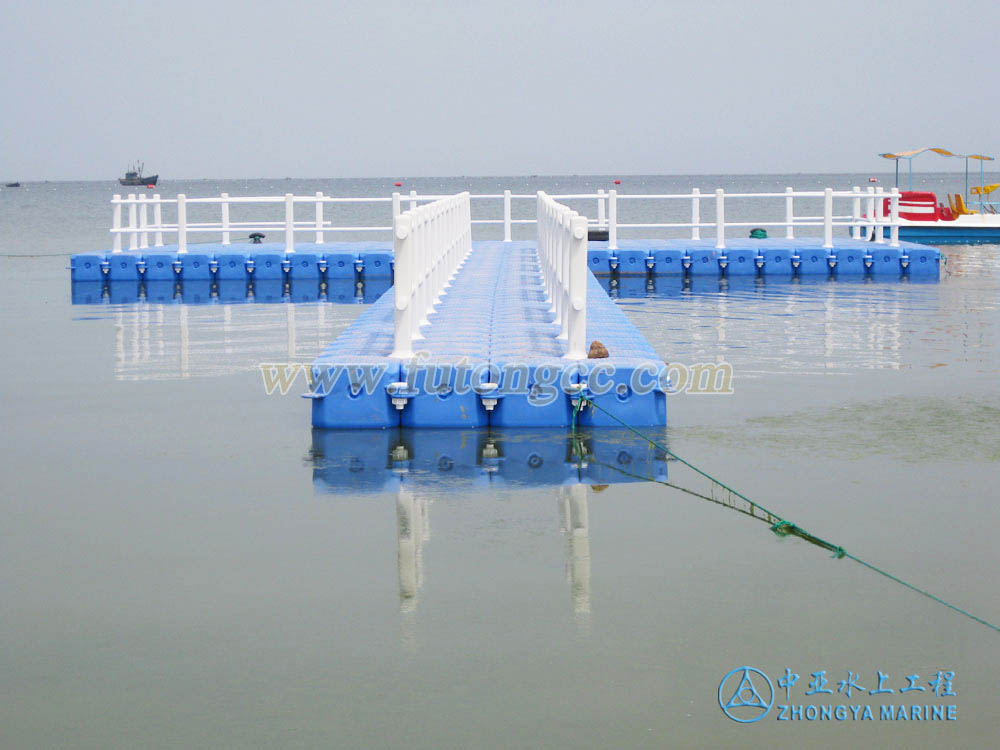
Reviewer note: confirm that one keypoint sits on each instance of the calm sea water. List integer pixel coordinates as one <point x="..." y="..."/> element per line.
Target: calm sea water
<point x="182" y="564"/>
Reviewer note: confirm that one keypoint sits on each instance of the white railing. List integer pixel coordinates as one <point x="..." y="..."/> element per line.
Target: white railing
<point x="139" y="228"/>
<point x="866" y="217"/>
<point x="868" y="223"/>
<point x="430" y="242"/>
<point x="562" y="251"/>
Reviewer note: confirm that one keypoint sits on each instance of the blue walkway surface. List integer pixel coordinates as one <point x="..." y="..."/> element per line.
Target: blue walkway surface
<point x="492" y="326"/>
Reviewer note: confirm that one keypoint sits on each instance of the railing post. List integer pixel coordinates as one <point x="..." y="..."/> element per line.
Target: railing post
<point x="828" y="218"/>
<point x="182" y="237"/>
<point x="413" y="199"/>
<point x="133" y="236"/>
<point x="402" y="225"/>
<point x="612" y="220"/>
<point x="158" y="220"/>
<point x="506" y="216"/>
<point x="395" y="205"/>
<point x="576" y="342"/>
<point x="143" y="222"/>
<point x="720" y="219"/>
<point x="879" y="215"/>
<point x="894" y="217"/>
<point x="319" y="217"/>
<point x="789" y="214"/>
<point x="695" y="214"/>
<point x="225" y="218"/>
<point x="562" y="273"/>
<point x="601" y="215"/>
<point x="289" y="223"/>
<point x="870" y="205"/>
<point x="116" y="223"/>
<point x="856" y="213"/>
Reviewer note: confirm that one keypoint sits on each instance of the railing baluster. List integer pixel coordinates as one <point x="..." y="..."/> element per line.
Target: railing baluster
<point x="116" y="223"/>
<point x="506" y="216"/>
<point x="828" y="218"/>
<point x="789" y="214"/>
<point x="576" y="258"/>
<point x="143" y="223"/>
<point x="319" y="217"/>
<point x="601" y="215"/>
<point x="894" y="217"/>
<point x="225" y="218"/>
<point x="695" y="214"/>
<point x="429" y="243"/>
<point x="879" y="215"/>
<point x="133" y="236"/>
<point x="856" y="213"/>
<point x="158" y="220"/>
<point x="182" y="243"/>
<point x="720" y="219"/>
<point x="289" y="223"/>
<point x="870" y="205"/>
<point x="413" y="199"/>
<point x="612" y="220"/>
<point x="562" y="252"/>
<point x="402" y="245"/>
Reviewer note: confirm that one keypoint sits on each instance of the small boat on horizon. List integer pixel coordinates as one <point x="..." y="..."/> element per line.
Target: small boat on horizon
<point x="13" y="184"/>
<point x="134" y="176"/>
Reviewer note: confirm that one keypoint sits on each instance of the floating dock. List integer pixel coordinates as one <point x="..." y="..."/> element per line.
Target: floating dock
<point x="492" y="326"/>
<point x="490" y="333"/>
<point x="360" y="461"/>
<point x="341" y="262"/>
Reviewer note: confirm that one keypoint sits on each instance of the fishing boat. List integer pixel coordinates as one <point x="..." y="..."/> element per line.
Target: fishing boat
<point x="925" y="218"/>
<point x="13" y="184"/>
<point x="134" y="176"/>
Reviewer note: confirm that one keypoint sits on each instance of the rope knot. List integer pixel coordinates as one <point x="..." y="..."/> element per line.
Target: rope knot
<point x="784" y="528"/>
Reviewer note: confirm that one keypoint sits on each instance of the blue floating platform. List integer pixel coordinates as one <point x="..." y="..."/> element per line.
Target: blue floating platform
<point x="369" y="461"/>
<point x="493" y="325"/>
<point x="773" y="258"/>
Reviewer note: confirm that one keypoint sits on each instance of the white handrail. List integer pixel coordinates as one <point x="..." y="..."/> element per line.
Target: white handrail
<point x="430" y="242"/>
<point x="870" y="224"/>
<point x="562" y="250"/>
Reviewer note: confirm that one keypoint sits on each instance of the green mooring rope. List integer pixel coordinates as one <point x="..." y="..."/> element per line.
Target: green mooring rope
<point x="782" y="526"/>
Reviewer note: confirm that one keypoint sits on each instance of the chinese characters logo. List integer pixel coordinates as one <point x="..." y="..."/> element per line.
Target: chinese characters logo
<point x="746" y="695"/>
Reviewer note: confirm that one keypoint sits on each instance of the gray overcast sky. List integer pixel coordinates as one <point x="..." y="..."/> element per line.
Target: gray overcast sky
<point x="246" y="89"/>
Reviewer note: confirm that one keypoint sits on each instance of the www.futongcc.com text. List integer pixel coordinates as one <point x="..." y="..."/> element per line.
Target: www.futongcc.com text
<point x="542" y="383"/>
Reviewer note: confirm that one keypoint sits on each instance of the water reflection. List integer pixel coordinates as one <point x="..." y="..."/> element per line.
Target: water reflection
<point x="162" y="330"/>
<point x="418" y="465"/>
<point x="207" y="292"/>
<point x="761" y="327"/>
<point x="574" y="524"/>
<point x="412" y="530"/>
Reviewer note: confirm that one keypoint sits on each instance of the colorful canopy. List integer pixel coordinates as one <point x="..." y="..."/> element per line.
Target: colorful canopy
<point x="908" y="155"/>
<point x="942" y="151"/>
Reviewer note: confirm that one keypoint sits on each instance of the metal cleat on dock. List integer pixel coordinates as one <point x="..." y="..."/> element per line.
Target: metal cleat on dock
<point x="576" y="391"/>
<point x="488" y="394"/>
<point x="400" y="393"/>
